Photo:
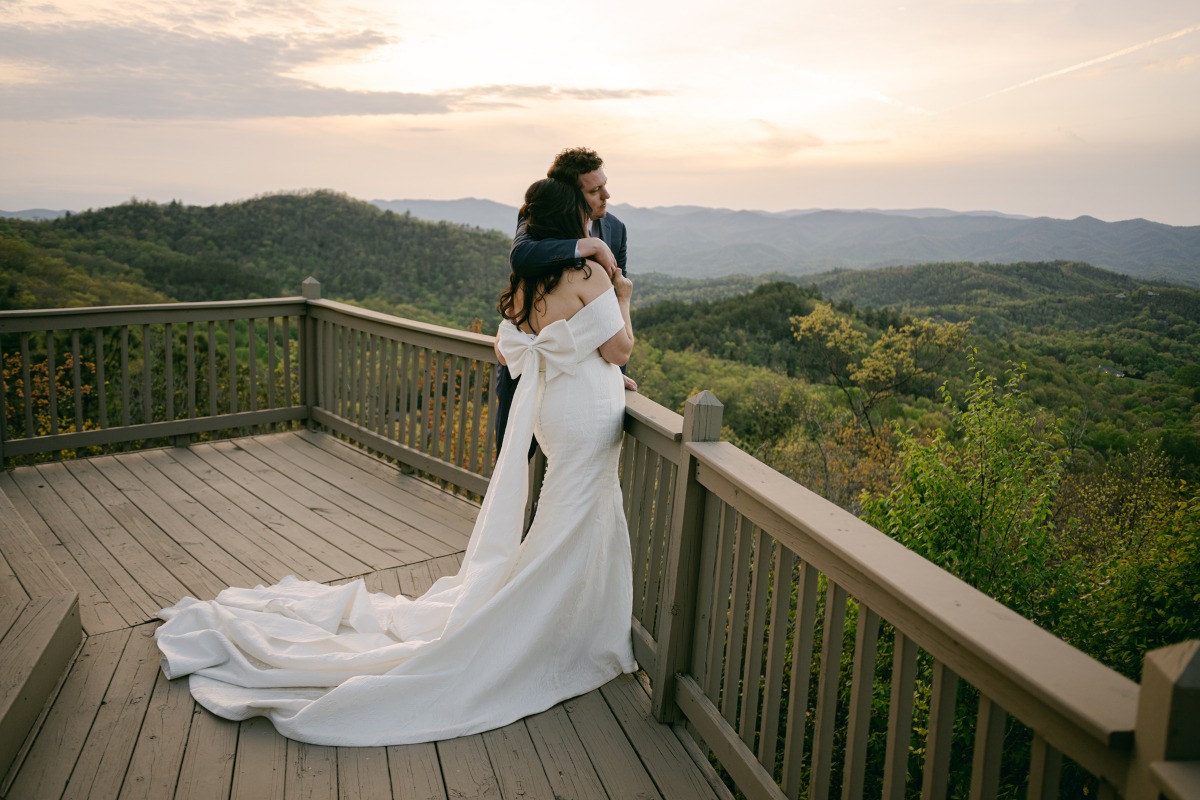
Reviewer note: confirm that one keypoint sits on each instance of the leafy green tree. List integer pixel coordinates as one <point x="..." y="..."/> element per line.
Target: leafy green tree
<point x="977" y="501"/>
<point x="869" y="372"/>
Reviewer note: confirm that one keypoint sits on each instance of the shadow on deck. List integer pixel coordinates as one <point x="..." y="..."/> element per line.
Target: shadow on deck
<point x="134" y="532"/>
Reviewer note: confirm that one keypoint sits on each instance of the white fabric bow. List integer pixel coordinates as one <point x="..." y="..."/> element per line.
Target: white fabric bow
<point x="554" y="346"/>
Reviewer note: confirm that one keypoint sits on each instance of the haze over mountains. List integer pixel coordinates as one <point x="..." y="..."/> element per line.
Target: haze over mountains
<point x="707" y="242"/>
<point x="699" y="242"/>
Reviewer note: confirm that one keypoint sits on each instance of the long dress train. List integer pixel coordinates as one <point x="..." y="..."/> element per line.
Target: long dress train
<point x="521" y="627"/>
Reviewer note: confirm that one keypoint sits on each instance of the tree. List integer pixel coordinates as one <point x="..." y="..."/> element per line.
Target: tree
<point x="870" y="372"/>
<point x="978" y="501"/>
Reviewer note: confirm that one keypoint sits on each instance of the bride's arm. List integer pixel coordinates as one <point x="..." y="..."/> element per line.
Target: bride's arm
<point x="618" y="349"/>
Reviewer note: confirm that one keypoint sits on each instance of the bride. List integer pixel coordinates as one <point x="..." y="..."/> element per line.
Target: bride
<point x="524" y="624"/>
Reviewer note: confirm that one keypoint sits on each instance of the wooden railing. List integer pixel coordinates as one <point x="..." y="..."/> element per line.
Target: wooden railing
<point x="797" y="648"/>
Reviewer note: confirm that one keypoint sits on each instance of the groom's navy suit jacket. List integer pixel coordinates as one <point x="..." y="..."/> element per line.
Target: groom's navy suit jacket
<point x="533" y="255"/>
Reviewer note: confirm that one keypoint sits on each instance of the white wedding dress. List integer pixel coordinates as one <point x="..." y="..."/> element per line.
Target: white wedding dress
<point x="521" y="627"/>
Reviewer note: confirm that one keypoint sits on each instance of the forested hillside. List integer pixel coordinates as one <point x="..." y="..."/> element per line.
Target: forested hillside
<point x="261" y="248"/>
<point x="1119" y="355"/>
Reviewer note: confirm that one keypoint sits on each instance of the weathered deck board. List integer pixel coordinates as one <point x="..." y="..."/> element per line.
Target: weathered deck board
<point x="306" y="554"/>
<point x="119" y="587"/>
<point x="438" y="516"/>
<point x="467" y="769"/>
<point x="117" y="728"/>
<point x="388" y="526"/>
<point x="515" y="760"/>
<point x="669" y="761"/>
<point x="158" y="753"/>
<point x="617" y="765"/>
<point x="191" y="572"/>
<point x="564" y="757"/>
<point x="416" y="773"/>
<point x="141" y="556"/>
<point x="47" y="766"/>
<point x="391" y="477"/>
<point x="96" y="613"/>
<point x="336" y="507"/>
<point x="105" y="757"/>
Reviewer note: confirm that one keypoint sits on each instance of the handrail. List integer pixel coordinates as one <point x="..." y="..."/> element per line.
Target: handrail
<point x="1080" y="706"/>
<point x="52" y="319"/>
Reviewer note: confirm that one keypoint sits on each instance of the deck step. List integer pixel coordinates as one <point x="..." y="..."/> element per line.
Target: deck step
<point x="39" y="630"/>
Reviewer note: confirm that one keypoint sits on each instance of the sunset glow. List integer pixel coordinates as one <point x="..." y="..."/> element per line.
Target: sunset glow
<point x="1038" y="107"/>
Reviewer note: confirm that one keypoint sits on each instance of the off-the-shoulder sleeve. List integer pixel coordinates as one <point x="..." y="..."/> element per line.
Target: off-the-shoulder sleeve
<point x="597" y="322"/>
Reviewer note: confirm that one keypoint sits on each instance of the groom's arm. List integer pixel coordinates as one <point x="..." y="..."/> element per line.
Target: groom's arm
<point x="531" y="256"/>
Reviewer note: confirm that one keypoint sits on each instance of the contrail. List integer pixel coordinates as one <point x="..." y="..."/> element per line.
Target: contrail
<point x="1084" y="65"/>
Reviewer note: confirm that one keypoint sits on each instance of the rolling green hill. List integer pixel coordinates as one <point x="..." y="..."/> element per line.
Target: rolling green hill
<point x="265" y="247"/>
<point x="1121" y="356"/>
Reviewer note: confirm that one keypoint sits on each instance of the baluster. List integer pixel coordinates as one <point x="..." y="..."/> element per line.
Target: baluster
<point x="781" y="597"/>
<point x="435" y="429"/>
<point x="323" y="375"/>
<point x="715" y="669"/>
<point x="233" y="394"/>
<point x="415" y="393"/>
<point x="460" y="398"/>
<point x="1045" y="770"/>
<point x="641" y="488"/>
<point x="76" y="380"/>
<point x="169" y="370"/>
<point x="802" y="652"/>
<point x="989" y="750"/>
<point x="370" y="386"/>
<point x="477" y="436"/>
<point x="862" y="682"/>
<point x="489" y="447"/>
<point x="52" y="381"/>
<point x="101" y="388"/>
<point x="942" y="705"/>
<point x="755" y="629"/>
<point x="191" y="370"/>
<point x="271" y="362"/>
<point x="737" y="620"/>
<point x="900" y="716"/>
<point x="344" y="380"/>
<point x="252" y="347"/>
<point x="147" y="377"/>
<point x="27" y="384"/>
<point x="212" y="368"/>
<point x="832" y="642"/>
<point x="660" y="532"/>
<point x="403" y="393"/>
<point x="125" y="380"/>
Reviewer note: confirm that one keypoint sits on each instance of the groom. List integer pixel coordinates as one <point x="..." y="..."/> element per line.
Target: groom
<point x="605" y="245"/>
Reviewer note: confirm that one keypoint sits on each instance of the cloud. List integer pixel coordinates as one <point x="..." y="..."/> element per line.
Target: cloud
<point x="143" y="71"/>
<point x="513" y="93"/>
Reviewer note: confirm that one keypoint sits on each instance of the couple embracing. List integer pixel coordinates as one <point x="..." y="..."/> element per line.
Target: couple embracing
<point x="528" y="621"/>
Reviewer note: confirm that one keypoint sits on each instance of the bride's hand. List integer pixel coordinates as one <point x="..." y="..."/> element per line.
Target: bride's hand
<point x="623" y="286"/>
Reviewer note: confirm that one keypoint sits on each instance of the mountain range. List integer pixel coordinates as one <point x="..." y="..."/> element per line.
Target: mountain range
<point x="699" y="242"/>
<point x="703" y="242"/>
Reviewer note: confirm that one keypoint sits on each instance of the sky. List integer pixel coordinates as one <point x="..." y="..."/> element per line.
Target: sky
<point x="1054" y="108"/>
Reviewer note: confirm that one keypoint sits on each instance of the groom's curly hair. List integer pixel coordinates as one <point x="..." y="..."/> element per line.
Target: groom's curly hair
<point x="553" y="209"/>
<point x="573" y="162"/>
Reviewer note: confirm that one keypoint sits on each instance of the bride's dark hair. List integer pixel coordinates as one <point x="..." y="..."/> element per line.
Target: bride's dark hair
<point x="552" y="210"/>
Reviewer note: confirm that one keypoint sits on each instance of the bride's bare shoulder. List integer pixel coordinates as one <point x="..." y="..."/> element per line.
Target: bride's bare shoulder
<point x="590" y="282"/>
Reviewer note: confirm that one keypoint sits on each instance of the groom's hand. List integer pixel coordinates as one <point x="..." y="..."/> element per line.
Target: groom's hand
<point x="598" y="251"/>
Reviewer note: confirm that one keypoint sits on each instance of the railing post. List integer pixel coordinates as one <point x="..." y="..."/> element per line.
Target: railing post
<point x="1168" y="715"/>
<point x="701" y="423"/>
<point x="310" y="289"/>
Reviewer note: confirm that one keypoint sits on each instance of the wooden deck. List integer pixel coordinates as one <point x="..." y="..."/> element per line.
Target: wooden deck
<point x="135" y="532"/>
